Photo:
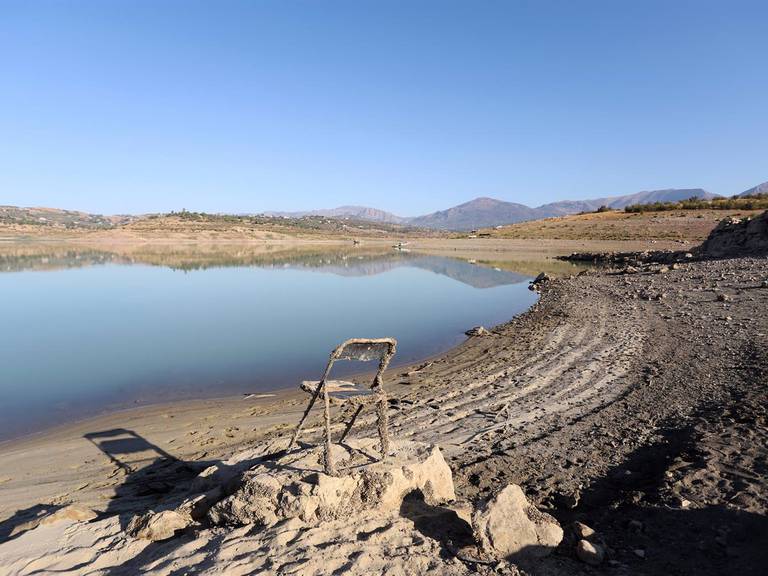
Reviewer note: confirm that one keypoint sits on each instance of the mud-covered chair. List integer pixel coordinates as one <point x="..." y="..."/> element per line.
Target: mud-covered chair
<point x="339" y="392"/>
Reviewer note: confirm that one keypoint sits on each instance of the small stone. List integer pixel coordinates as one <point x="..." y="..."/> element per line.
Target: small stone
<point x="724" y="298"/>
<point x="542" y="278"/>
<point x="764" y="284"/>
<point x="582" y="530"/>
<point x="635" y="526"/>
<point x="589" y="553"/>
<point x="639" y="553"/>
<point x="477" y="331"/>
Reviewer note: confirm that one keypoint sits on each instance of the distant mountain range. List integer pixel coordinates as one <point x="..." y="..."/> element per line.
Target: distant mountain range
<point x="477" y="213"/>
<point x="351" y="212"/>
<point x="487" y="212"/>
<point x="759" y="189"/>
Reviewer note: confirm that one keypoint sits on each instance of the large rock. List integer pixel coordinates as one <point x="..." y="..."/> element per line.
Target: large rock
<point x="509" y="526"/>
<point x="295" y="487"/>
<point x="254" y="502"/>
<point x="156" y="526"/>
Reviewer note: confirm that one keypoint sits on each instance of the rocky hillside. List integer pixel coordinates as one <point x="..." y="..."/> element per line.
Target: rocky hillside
<point x="478" y="213"/>
<point x="735" y="237"/>
<point x="347" y="212"/>
<point x="677" y="225"/>
<point x="55" y="218"/>
<point x="619" y="202"/>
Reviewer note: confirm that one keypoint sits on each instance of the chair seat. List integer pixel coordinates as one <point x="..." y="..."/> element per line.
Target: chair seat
<point x="341" y="391"/>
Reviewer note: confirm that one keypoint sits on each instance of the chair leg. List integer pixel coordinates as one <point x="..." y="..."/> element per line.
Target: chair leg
<point x="351" y="422"/>
<point x="330" y="469"/>
<point x="295" y="436"/>
<point x="383" y="423"/>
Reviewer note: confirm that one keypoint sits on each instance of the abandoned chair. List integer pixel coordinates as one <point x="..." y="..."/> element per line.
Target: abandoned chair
<point x="341" y="392"/>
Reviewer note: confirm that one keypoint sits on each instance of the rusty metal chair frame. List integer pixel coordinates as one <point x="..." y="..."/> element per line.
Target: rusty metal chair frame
<point x="365" y="350"/>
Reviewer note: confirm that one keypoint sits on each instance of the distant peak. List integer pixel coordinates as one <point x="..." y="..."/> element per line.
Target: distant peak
<point x="759" y="189"/>
<point x="482" y="200"/>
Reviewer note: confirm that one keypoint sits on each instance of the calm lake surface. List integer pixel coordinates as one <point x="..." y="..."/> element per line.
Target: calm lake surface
<point x="86" y="331"/>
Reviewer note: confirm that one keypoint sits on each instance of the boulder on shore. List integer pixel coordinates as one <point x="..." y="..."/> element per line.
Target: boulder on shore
<point x="157" y="526"/>
<point x="267" y="494"/>
<point x="509" y="526"/>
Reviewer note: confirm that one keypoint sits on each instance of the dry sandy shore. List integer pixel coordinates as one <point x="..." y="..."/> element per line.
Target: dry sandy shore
<point x="53" y="465"/>
<point x="635" y="403"/>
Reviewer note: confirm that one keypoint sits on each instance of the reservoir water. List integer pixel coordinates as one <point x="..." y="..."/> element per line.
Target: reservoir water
<point x="84" y="331"/>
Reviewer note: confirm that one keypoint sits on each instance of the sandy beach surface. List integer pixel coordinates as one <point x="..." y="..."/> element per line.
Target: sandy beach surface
<point x="62" y="460"/>
<point x="630" y="400"/>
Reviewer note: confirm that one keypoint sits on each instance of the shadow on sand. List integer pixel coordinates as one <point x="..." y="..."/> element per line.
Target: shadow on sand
<point x="24" y="520"/>
<point x="152" y="476"/>
<point x="717" y="540"/>
<point x="144" y="485"/>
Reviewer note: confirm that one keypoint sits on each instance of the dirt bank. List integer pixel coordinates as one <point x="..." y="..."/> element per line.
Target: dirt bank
<point x="632" y="397"/>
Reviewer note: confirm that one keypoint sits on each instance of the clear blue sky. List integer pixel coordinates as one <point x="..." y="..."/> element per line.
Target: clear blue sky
<point x="119" y="106"/>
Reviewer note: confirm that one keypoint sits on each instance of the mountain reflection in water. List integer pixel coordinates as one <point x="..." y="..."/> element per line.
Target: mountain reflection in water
<point x="344" y="263"/>
<point x="86" y="330"/>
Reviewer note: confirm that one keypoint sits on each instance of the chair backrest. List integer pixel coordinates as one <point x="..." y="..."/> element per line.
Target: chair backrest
<point x="365" y="350"/>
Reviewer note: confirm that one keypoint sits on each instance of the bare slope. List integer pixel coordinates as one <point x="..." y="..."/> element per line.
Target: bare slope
<point x="477" y="213"/>
<point x="678" y="225"/>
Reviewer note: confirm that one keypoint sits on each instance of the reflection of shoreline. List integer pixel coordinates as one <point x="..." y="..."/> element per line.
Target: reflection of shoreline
<point x="359" y="261"/>
<point x="340" y="263"/>
<point x="477" y="276"/>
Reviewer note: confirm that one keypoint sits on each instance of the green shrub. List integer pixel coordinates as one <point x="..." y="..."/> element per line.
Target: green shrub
<point x="756" y="202"/>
